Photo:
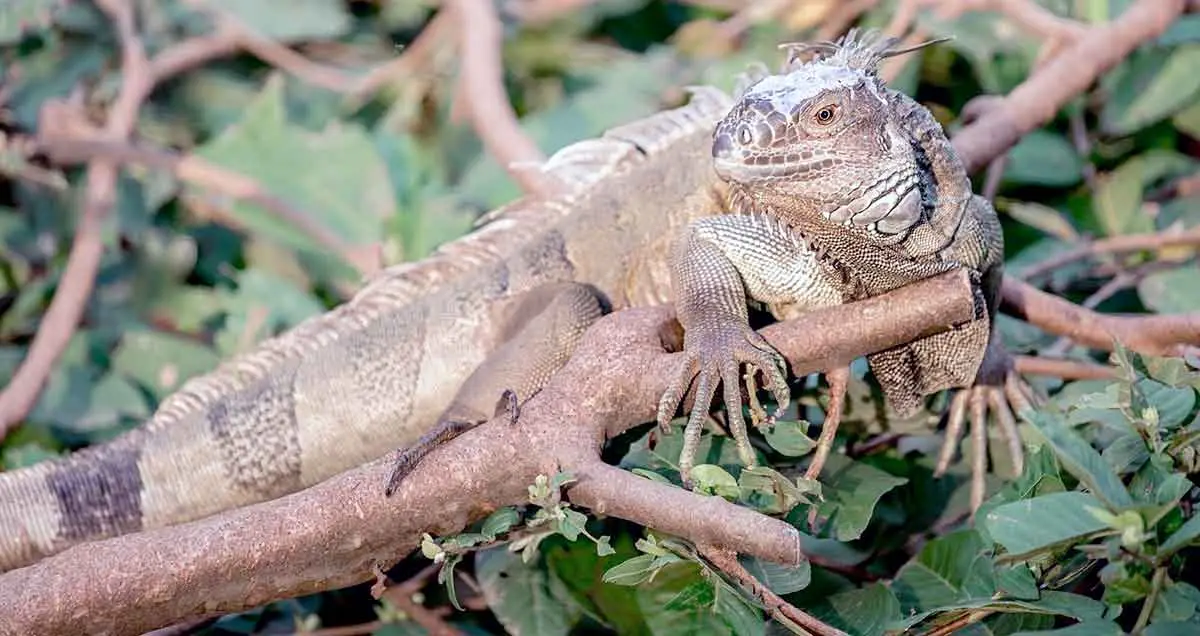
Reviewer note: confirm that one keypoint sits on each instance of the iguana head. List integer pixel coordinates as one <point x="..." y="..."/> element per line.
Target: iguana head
<point x="823" y="132"/>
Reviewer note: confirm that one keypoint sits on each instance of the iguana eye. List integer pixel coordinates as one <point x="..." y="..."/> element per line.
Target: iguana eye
<point x="826" y="115"/>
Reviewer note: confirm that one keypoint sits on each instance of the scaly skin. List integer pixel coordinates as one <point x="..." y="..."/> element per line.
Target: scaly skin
<point x="842" y="189"/>
<point x="379" y="372"/>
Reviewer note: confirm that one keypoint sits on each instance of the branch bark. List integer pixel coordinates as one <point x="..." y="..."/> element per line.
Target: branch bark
<point x="332" y="534"/>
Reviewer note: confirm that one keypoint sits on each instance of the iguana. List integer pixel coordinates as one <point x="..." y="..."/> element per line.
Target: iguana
<point x="840" y="189"/>
<point x="374" y="374"/>
<point x="424" y="349"/>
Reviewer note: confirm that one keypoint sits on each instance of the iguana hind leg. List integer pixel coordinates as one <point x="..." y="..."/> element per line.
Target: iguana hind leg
<point x="999" y="391"/>
<point x="542" y="329"/>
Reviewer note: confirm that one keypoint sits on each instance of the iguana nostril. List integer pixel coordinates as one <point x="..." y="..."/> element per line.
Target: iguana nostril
<point x="722" y="145"/>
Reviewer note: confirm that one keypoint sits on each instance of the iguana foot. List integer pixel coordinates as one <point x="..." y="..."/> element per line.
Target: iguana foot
<point x="1012" y="394"/>
<point x="714" y="356"/>
<point x="446" y="429"/>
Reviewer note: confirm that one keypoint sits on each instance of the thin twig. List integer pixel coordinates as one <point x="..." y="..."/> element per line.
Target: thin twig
<point x="402" y="597"/>
<point x="139" y="76"/>
<point x="61" y="317"/>
<point x="1065" y="369"/>
<point x="1114" y="285"/>
<point x="481" y="83"/>
<point x="779" y="609"/>
<point x="1124" y="244"/>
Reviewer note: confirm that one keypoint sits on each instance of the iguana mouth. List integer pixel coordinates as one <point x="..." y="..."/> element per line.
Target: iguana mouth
<point x="742" y="162"/>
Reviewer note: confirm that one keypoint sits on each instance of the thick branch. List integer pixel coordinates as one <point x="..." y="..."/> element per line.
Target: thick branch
<point x="609" y="490"/>
<point x="1038" y="98"/>
<point x="331" y="534"/>
<point x="1164" y="335"/>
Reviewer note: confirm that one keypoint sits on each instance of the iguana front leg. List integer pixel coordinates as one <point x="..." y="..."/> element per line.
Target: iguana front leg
<point x="717" y="264"/>
<point x="542" y="327"/>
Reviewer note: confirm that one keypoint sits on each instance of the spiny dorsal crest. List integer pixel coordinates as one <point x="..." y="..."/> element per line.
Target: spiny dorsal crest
<point x="862" y="50"/>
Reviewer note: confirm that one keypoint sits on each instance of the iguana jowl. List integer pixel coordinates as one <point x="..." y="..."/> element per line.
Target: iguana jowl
<point x="840" y="189"/>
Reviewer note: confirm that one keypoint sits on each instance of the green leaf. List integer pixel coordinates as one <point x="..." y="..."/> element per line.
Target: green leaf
<point x="851" y="491"/>
<point x="1172" y="404"/>
<point x="868" y="610"/>
<point x="742" y="619"/>
<point x="631" y="571"/>
<point x="1118" y="198"/>
<point x="1044" y="218"/>
<point x="949" y="569"/>
<point x="713" y="480"/>
<point x="1090" y="628"/>
<point x="161" y="362"/>
<point x="21" y="17"/>
<point x="500" y="521"/>
<point x="625" y="91"/>
<point x="690" y="617"/>
<point x="581" y="570"/>
<point x="53" y="72"/>
<point x="1186" y="535"/>
<point x="1171" y="628"/>
<point x="1030" y="525"/>
<point x="335" y="177"/>
<point x="1177" y="602"/>
<point x="572" y="524"/>
<point x="1126" y="453"/>
<point x="525" y="597"/>
<point x="788" y="438"/>
<point x="698" y="595"/>
<point x="264" y="304"/>
<point x="1188" y="120"/>
<point x="1081" y="460"/>
<point x="1172" y="290"/>
<point x="1045" y="159"/>
<point x="1017" y="582"/>
<point x="1156" y="96"/>
<point x="769" y="492"/>
<point x="1183" y="30"/>
<point x="780" y="579"/>
<point x="23" y="455"/>
<point x="289" y="20"/>
<point x="1124" y="584"/>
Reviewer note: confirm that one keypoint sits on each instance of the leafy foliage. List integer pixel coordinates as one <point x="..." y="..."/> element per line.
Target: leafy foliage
<point x="1098" y="535"/>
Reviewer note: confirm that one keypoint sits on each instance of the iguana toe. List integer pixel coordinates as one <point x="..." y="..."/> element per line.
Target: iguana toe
<point x="974" y="405"/>
<point x="714" y="357"/>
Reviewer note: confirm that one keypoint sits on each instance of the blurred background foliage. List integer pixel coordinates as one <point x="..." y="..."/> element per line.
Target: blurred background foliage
<point x="190" y="276"/>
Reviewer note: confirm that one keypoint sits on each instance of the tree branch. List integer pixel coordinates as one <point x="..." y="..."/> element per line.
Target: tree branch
<point x="333" y="534"/>
<point x="1036" y="100"/>
<point x="1162" y="335"/>
<point x="481" y="81"/>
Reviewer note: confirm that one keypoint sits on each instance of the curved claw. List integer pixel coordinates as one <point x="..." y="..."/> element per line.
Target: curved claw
<point x="976" y="403"/>
<point x="715" y="358"/>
